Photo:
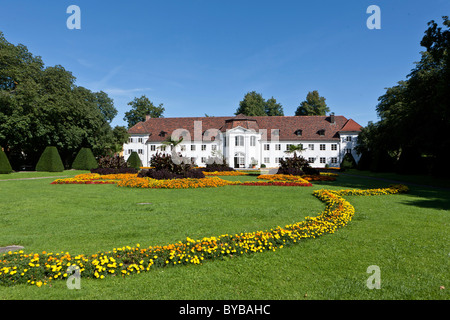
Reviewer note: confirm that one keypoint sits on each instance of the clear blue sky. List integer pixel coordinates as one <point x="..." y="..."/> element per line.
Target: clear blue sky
<point x="203" y="56"/>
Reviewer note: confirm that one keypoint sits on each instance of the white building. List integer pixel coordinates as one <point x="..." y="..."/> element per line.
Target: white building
<point x="246" y="141"/>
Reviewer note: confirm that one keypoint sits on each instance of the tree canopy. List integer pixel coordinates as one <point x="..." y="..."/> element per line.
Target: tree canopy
<point x="314" y="105"/>
<point x="42" y="106"/>
<point x="254" y="104"/>
<point x="414" y="115"/>
<point x="140" y="108"/>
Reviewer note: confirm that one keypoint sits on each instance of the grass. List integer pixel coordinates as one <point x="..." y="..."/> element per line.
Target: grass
<point x="405" y="235"/>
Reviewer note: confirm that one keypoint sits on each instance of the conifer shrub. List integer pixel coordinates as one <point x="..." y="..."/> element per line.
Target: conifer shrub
<point x="348" y="162"/>
<point x="85" y="160"/>
<point x="50" y="161"/>
<point x="134" y="161"/>
<point x="5" y="166"/>
<point x="297" y="166"/>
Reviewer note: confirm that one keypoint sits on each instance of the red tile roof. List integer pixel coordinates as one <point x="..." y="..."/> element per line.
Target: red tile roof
<point x="351" y="125"/>
<point x="159" y="129"/>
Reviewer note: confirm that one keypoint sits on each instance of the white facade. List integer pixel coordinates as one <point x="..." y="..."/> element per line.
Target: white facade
<point x="244" y="148"/>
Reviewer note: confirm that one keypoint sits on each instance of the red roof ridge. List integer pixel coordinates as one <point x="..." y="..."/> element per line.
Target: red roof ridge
<point x="351" y="125"/>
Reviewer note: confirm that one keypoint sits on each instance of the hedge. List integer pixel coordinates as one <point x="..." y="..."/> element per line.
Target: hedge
<point x="5" y="166"/>
<point x="50" y="161"/>
<point x="134" y="161"/>
<point x="85" y="160"/>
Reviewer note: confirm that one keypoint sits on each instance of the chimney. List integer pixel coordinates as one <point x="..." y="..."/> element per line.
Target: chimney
<point x="332" y="118"/>
<point x="147" y="117"/>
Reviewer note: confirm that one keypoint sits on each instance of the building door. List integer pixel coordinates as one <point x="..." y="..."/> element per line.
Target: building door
<point x="239" y="160"/>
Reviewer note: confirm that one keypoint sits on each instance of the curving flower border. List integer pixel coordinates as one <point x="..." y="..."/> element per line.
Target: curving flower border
<point x="40" y="269"/>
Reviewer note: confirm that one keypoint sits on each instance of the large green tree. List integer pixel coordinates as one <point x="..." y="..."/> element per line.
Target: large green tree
<point x="140" y="108"/>
<point x="415" y="114"/>
<point x="314" y="105"/>
<point x="41" y="106"/>
<point x="254" y="104"/>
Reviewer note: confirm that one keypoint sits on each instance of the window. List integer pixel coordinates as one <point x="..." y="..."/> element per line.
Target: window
<point x="163" y="148"/>
<point x="130" y="140"/>
<point x="140" y="140"/>
<point x="311" y="147"/>
<point x="277" y="160"/>
<point x="183" y="148"/>
<point x="252" y="141"/>
<point x="152" y="147"/>
<point x="321" y="132"/>
<point x="288" y="146"/>
<point x="322" y="160"/>
<point x="348" y="150"/>
<point x="334" y="160"/>
<point x="193" y="160"/>
<point x="311" y="160"/>
<point x="213" y="147"/>
<point x="140" y="151"/>
<point x="203" y="147"/>
<point x="239" y="141"/>
<point x="266" y="159"/>
<point x="278" y="147"/>
<point x="192" y="147"/>
<point x="298" y="132"/>
<point x="130" y="151"/>
<point x="267" y="146"/>
<point x="349" y="138"/>
<point x="334" y="147"/>
<point x="203" y="160"/>
<point x="322" y="147"/>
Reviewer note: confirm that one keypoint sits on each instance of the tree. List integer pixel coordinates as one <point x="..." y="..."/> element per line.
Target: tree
<point x="85" y="160"/>
<point x="106" y="106"/>
<point x="121" y="135"/>
<point x="272" y="108"/>
<point x="412" y="132"/>
<point x="50" y="161"/>
<point x="253" y="104"/>
<point x="134" y="161"/>
<point x="140" y="108"/>
<point x="5" y="166"/>
<point x="314" y="105"/>
<point x="42" y="106"/>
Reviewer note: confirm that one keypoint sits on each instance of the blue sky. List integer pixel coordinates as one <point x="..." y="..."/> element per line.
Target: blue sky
<point x="202" y="56"/>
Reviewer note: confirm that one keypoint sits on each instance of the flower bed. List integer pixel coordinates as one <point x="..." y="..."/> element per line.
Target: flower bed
<point x="209" y="182"/>
<point x="277" y="183"/>
<point x="41" y="269"/>
<point x="225" y="173"/>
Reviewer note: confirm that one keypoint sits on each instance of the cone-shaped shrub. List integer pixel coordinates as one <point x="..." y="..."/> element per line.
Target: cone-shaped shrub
<point x="134" y="161"/>
<point x="50" y="161"/>
<point x="5" y="166"/>
<point x="85" y="160"/>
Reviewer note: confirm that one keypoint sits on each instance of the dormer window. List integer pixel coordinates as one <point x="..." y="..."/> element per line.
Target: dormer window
<point x="162" y="134"/>
<point x="298" y="132"/>
<point x="321" y="132"/>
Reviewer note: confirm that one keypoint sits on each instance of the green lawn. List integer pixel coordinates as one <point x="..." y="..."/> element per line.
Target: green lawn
<point x="407" y="236"/>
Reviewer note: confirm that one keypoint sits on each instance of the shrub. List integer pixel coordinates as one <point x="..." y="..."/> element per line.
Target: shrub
<point x="50" y="161"/>
<point x="5" y="166"/>
<point x="112" y="162"/>
<point x="134" y="161"/>
<point x="348" y="162"/>
<point x="85" y="160"/>
<point x="296" y="165"/>
<point x="217" y="164"/>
